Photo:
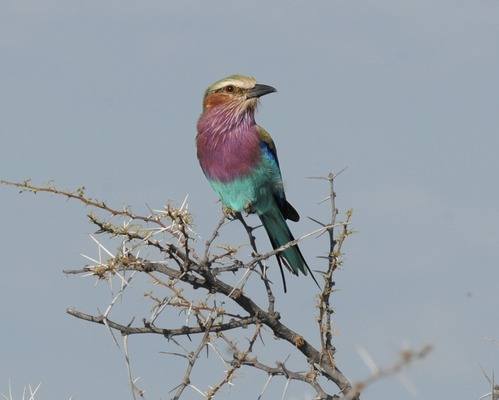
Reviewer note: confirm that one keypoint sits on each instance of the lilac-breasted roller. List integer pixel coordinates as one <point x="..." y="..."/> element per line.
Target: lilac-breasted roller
<point x="240" y="161"/>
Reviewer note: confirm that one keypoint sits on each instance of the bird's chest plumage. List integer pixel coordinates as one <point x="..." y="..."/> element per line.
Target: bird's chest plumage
<point x="228" y="156"/>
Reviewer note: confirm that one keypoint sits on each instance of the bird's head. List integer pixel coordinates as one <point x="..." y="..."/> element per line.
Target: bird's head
<point x="236" y="92"/>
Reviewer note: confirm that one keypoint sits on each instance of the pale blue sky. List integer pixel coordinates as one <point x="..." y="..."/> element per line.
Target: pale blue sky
<point x="106" y="94"/>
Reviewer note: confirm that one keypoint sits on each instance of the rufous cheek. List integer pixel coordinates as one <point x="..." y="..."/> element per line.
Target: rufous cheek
<point x="216" y="99"/>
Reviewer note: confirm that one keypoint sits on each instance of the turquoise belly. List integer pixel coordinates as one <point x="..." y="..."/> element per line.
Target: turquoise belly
<point x="255" y="189"/>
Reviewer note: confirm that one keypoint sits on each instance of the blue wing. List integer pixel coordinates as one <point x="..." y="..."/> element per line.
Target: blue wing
<point x="269" y="151"/>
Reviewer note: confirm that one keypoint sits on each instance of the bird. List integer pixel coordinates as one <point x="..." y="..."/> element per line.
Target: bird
<point x="239" y="159"/>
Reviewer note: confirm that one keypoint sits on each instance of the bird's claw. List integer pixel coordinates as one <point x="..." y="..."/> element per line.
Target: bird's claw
<point x="248" y="209"/>
<point x="229" y="213"/>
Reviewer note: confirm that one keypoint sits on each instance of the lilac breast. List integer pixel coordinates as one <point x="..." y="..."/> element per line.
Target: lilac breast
<point x="227" y="151"/>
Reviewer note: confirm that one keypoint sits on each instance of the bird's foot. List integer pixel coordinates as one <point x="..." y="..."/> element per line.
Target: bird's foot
<point x="248" y="209"/>
<point x="229" y="213"/>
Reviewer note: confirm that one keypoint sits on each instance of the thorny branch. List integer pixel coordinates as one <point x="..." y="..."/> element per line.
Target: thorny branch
<point x="149" y="328"/>
<point x="334" y="261"/>
<point x="217" y="315"/>
<point x="239" y="359"/>
<point x="192" y="357"/>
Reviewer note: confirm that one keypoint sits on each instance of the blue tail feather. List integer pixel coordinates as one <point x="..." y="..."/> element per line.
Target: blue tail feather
<point x="279" y="235"/>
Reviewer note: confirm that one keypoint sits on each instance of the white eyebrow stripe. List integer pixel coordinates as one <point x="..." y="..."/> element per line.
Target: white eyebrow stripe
<point x="243" y="82"/>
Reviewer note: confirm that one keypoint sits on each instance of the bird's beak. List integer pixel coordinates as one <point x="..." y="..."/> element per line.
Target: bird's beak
<point x="260" y="90"/>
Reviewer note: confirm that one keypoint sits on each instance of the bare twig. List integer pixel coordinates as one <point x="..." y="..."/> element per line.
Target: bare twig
<point x="238" y="360"/>
<point x="263" y="268"/>
<point x="192" y="357"/>
<point x="406" y="358"/>
<point x="184" y="330"/>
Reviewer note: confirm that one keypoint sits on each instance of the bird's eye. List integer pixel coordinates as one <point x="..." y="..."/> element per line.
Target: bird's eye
<point x="229" y="88"/>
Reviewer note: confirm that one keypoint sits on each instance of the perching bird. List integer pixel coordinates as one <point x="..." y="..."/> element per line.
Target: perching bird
<point x="240" y="161"/>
